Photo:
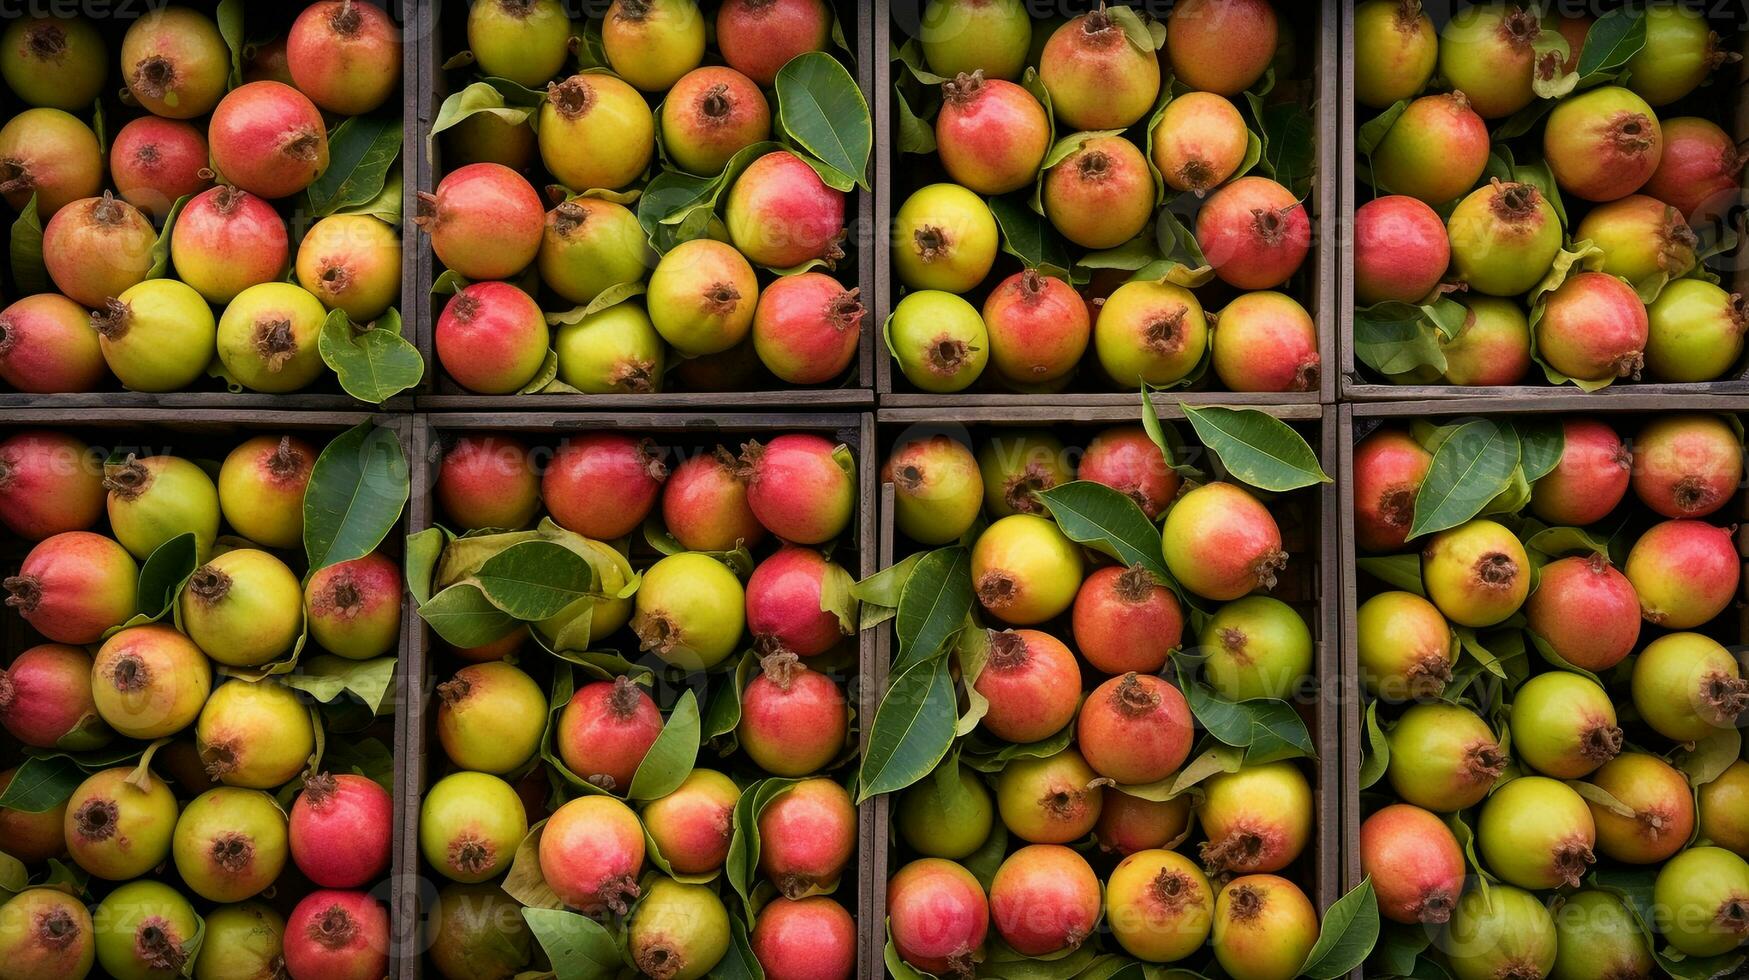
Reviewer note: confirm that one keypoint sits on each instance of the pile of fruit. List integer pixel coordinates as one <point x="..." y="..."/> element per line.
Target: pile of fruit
<point x="241" y="224"/>
<point x="575" y="712"/>
<point x="697" y="235"/>
<point x="198" y="724"/>
<point x="1136" y="175"/>
<point x="1553" y="778"/>
<point x="1056" y="801"/>
<point x="1544" y="188"/>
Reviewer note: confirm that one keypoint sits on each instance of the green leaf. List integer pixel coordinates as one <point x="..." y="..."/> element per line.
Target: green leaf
<point x="1378" y="749"/>
<point x="916" y="135"/>
<point x="504" y="99"/>
<point x="536" y="580"/>
<point x="360" y="152"/>
<point x="1399" y="571"/>
<point x="162" y="576"/>
<point x="1612" y="41"/>
<point x="1397" y="339"/>
<point x="463" y="616"/>
<point x="1470" y="468"/>
<point x="373" y="363"/>
<point x="821" y="108"/>
<point x="1289" y="151"/>
<point x="879" y="593"/>
<point x="161" y="248"/>
<point x="578" y="947"/>
<point x="1348" y="933"/>
<point x="1372" y="132"/>
<point x="1181" y="260"/>
<point x="933" y="606"/>
<point x="1256" y="448"/>
<point x="1540" y="444"/>
<point x="1267" y="729"/>
<point x="671" y="757"/>
<point x="912" y="730"/>
<point x="672" y="192"/>
<point x="1029" y="237"/>
<point x="386" y="206"/>
<point x="1111" y="523"/>
<point x="41" y="784"/>
<point x="356" y="491"/>
<point x="230" y="22"/>
<point x="29" y="274"/>
<point x="1557" y="541"/>
<point x="1711" y="756"/>
<point x="326" y="677"/>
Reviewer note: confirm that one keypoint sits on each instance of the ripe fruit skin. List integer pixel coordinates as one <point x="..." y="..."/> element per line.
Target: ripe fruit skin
<point x="1590" y="479"/>
<point x="145" y="930"/>
<point x="1486" y="52"/>
<point x="52" y="61"/>
<point x="261" y="489"/>
<point x="1135" y="729"/>
<point x="49" y="483"/>
<point x="652" y="43"/>
<point x="1404" y="647"/>
<point x="337" y="935"/>
<point x="1016" y="467"/>
<point x="1680" y="52"/>
<point x="1048" y="879"/>
<point x="1493" y="346"/>
<point x="605" y="731"/>
<point x="806" y="834"/>
<point x="794" y="721"/>
<point x="1505" y="932"/>
<point x="469" y="826"/>
<point x="963" y="36"/>
<point x="1128" y="824"/>
<point x="1685" y="573"/>
<point x="1400" y="249"/>
<point x="1100" y="195"/>
<point x="1198" y="142"/>
<point x="156" y="336"/>
<point x="1586" y="611"/>
<point x="354" y="607"/>
<point x="1504" y="238"/>
<point x="491" y="338"/>
<point x="612" y="351"/>
<point x="1264" y="928"/>
<point x="154" y="161"/>
<point x="590" y="111"/>
<point x="1124" y="620"/>
<point x="484" y="221"/>
<point x="679" y="931"/>
<point x="73" y="586"/>
<point x="938" y="915"/>
<point x="154" y="499"/>
<point x="806" y="328"/>
<point x="1695" y="332"/>
<point x="226" y="240"/>
<point x="477" y="931"/>
<point x="33" y="837"/>
<point x="268" y="139"/>
<point x="702" y="297"/>
<point x="780" y="214"/>
<point x="267" y="337"/>
<point x="588" y="244"/>
<point x="1435" y="151"/>
<point x="1593" y="328"/>
<point x="352" y="262"/>
<point x="1159" y="905"/>
<point x="784" y="603"/>
<point x="1257" y="819"/>
<point x="1254" y="233"/>
<point x="944" y="237"/>
<point x="1125" y="459"/>
<point x="1536" y="832"/>
<point x="810" y="939"/>
<point x="116" y="830"/>
<point x="45" y="932"/>
<point x="1476" y="573"/>
<point x="991" y="134"/>
<point x="1388" y="469"/>
<point x="938" y="490"/>
<point x="1221" y="543"/>
<point x="590" y="853"/>
<point x="344" y="55"/>
<point x="1602" y="144"/>
<point x="1698" y="170"/>
<point x="797" y="487"/>
<point x="340" y="830"/>
<point x="690" y="610"/>
<point x="758" y="37"/>
<point x="1258" y="647"/>
<point x="950" y="828"/>
<point x="1038" y="327"/>
<point x="96" y="248"/>
<point x="1706" y="893"/>
<point x="488" y="482"/>
<point x="1032" y="683"/>
<point x="1415" y="862"/>
<point x="50" y="154"/>
<point x="1443" y="757"/>
<point x="47" y="346"/>
<point x="1663" y="817"/>
<point x="1221" y="47"/>
<point x="175" y="62"/>
<point x="1687" y="465"/>
<point x="1096" y="76"/>
<point x="1724" y="809"/>
<point x="709" y="115"/>
<point x="705" y="507"/>
<point x="254" y="734"/>
<point x="244" y="608"/>
<point x="149" y="681"/>
<point x="1596" y="936"/>
<point x="692" y="825"/>
<point x="939" y="340"/>
<point x="1266" y="341"/>
<point x="46" y="699"/>
<point x="1025" y="570"/>
<point x="489" y="717"/>
<point x="244" y="940"/>
<point x="1051" y="800"/>
<point x="526" y="41"/>
<point x="1641" y="238"/>
<point x="1686" y="687"/>
<point x="1563" y="725"/>
<point x="230" y="844"/>
<point x="1395" y="51"/>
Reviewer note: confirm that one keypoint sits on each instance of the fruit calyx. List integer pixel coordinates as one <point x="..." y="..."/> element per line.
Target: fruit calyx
<point x="1435" y="907"/>
<point x="1267" y="566"/>
<point x="471" y="854"/>
<point x="107" y="212"/>
<point x="1520" y="28"/>
<point x="1733" y="914"/>
<point x="623" y="702"/>
<point x="465" y="307"/>
<point x="1135" y="699"/>
<point x="634" y="9"/>
<point x="8" y="336"/>
<point x="1572" y="858"/>
<point x="715" y="105"/>
<point x="844" y="311"/>
<point x="1307" y="374"/>
<point x="568" y="217"/>
<point x="1484" y="760"/>
<point x="1270" y="224"/>
<point x="335" y="275"/>
<point x="129" y="673"/>
<point x="1247" y="903"/>
<point x="1496" y="570"/>
<point x="1165" y="334"/>
<point x="156" y="947"/>
<point x="1724" y="697"/>
<point x="1170" y="889"/>
<point x="334" y="928"/>
<point x="780" y="666"/>
<point x="285" y="460"/>
<point x="656" y="631"/>
<point x="962" y="88"/>
<point x="1628" y="365"/>
<point x="1098" y="27"/>
<point x="454" y="691"/>
<point x="572" y="97"/>
<point x="319" y="789"/>
<point x="1135" y="584"/>
<point x="1428" y="676"/>
<point x="345" y="20"/>
<point x="233" y="851"/>
<point x="154" y="76"/>
<point x="1018" y="489"/>
<point x="8" y="690"/>
<point x="635" y="375"/>
<point x="275" y="342"/>
<point x="219" y="756"/>
<point x="659" y="961"/>
<point x="128" y="480"/>
<point x="113" y="320"/>
<point x="1676" y="246"/>
<point x="1007" y="650"/>
<point x="1094" y="166"/>
<point x="15" y="176"/>
<point x="996" y="588"/>
<point x="617" y="892"/>
<point x="720" y="298"/>
<point x="96" y="819"/>
<point x="425" y="211"/>
<point x="23" y="592"/>
<point x="1239" y="848"/>
<point x="45" y="39"/>
<point x="1408" y="18"/>
<point x="56" y="929"/>
<point x="964" y="962"/>
<point x="1600" y="743"/>
<point x="931" y="242"/>
<point x="1629" y="131"/>
<point x="305" y="145"/>
<point x="209" y="584"/>
<point x="945" y="355"/>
